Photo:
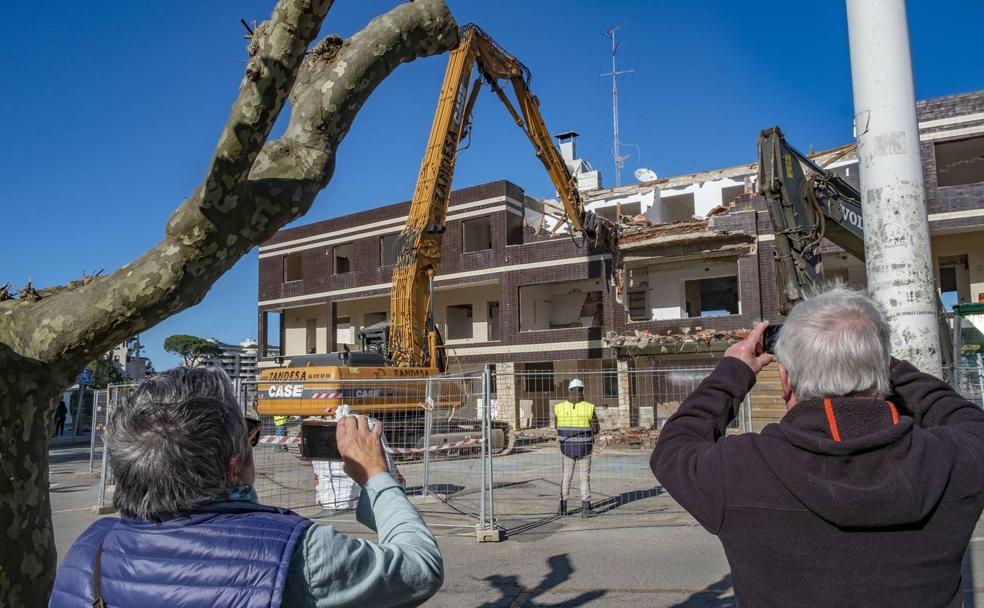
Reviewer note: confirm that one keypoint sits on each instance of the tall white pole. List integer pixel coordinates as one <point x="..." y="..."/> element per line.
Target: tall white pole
<point x="896" y="226"/>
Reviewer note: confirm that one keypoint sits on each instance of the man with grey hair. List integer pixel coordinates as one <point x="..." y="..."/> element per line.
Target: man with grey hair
<point x="867" y="491"/>
<point x="192" y="533"/>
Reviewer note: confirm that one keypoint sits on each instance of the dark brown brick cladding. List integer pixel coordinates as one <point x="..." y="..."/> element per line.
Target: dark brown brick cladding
<point x="360" y="218"/>
<point x="947" y="198"/>
<point x="950" y="105"/>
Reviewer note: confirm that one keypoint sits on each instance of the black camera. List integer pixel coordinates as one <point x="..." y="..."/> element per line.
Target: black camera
<point x="319" y="440"/>
<point x="770" y="337"/>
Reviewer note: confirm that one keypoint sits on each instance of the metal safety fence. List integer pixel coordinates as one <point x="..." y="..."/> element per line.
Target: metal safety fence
<point x="631" y="406"/>
<point x="100" y="413"/>
<point x="103" y="403"/>
<point x="433" y="429"/>
<point x="968" y="378"/>
<point x="484" y="444"/>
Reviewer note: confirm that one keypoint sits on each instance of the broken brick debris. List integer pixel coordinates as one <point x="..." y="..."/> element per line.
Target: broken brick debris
<point x="634" y="437"/>
<point x="644" y="230"/>
<point x="643" y="338"/>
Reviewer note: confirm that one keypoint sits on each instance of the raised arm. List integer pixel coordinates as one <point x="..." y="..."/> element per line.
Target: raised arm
<point x="333" y="569"/>
<point x="687" y="459"/>
<point x="932" y="402"/>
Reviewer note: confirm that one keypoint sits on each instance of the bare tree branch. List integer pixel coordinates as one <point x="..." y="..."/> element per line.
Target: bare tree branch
<point x="228" y="214"/>
<point x="250" y="190"/>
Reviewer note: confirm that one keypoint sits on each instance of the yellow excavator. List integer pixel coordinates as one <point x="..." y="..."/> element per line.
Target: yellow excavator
<point x="410" y="347"/>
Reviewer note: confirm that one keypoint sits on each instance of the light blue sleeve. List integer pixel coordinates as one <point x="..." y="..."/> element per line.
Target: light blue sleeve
<point x="333" y="569"/>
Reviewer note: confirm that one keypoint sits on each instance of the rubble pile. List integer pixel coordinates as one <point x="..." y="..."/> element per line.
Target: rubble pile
<point x="644" y="439"/>
<point x="536" y="435"/>
<point x="673" y="338"/>
<point x="639" y="228"/>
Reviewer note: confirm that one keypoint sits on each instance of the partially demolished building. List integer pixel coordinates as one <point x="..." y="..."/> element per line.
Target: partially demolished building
<point x="517" y="291"/>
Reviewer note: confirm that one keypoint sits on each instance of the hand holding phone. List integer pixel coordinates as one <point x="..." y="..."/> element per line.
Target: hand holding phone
<point x="770" y="337"/>
<point x="361" y="448"/>
<point x="749" y="350"/>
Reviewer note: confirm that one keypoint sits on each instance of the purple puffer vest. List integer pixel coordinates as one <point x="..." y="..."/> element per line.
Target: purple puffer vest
<point x="230" y="554"/>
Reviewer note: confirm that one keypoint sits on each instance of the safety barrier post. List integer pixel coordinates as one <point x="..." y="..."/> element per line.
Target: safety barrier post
<point x="94" y="425"/>
<point x="101" y="507"/>
<point x="428" y="425"/>
<point x="488" y="531"/>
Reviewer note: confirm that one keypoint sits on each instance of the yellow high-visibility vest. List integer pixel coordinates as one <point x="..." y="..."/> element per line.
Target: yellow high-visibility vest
<point x="280" y="420"/>
<point x="574" y="415"/>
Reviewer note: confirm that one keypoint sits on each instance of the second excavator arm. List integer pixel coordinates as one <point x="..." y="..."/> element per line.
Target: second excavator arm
<point x="807" y="203"/>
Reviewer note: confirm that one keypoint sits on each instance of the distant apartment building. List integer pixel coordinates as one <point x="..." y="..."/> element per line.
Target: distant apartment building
<point x="127" y="357"/>
<point x="517" y="292"/>
<point x="239" y="360"/>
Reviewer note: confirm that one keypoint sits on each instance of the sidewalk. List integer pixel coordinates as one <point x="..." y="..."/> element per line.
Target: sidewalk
<point x="60" y="441"/>
<point x="634" y="561"/>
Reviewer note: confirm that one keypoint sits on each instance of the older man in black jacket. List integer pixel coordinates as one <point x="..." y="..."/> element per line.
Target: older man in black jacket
<point x="867" y="491"/>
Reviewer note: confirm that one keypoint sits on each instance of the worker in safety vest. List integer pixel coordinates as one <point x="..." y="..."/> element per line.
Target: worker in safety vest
<point x="576" y="425"/>
<point x="280" y="422"/>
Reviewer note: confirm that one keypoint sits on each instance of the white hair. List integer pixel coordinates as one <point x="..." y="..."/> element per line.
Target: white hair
<point x="836" y="343"/>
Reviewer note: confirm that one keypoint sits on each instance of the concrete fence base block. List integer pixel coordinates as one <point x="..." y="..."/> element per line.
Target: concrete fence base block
<point x="488" y="536"/>
<point x="103" y="510"/>
<point x="429" y="499"/>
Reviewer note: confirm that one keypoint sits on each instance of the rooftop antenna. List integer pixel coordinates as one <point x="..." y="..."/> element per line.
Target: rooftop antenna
<point x="616" y="152"/>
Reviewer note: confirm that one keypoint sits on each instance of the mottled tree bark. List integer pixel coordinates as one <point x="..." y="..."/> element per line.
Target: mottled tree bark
<point x="251" y="189"/>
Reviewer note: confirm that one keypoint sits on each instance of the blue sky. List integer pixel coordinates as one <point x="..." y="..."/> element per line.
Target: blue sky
<point x="112" y="110"/>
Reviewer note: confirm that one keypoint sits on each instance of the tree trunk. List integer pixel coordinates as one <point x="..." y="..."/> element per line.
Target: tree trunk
<point x="252" y="188"/>
<point x="28" y="392"/>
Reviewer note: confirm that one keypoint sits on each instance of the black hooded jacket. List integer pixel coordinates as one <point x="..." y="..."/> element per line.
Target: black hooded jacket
<point x="844" y="502"/>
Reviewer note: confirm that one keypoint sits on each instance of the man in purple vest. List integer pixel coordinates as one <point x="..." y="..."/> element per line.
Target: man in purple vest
<point x="192" y="533"/>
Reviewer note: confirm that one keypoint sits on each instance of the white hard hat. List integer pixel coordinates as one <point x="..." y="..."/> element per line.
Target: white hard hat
<point x="575" y="383"/>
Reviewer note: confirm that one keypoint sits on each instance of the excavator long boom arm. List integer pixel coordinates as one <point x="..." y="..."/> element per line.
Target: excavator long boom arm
<point x="418" y="249"/>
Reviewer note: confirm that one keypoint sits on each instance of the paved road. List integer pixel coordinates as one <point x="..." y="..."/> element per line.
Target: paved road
<point x="660" y="559"/>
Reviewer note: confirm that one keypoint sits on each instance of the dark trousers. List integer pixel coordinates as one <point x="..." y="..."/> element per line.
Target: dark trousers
<point x="59" y="426"/>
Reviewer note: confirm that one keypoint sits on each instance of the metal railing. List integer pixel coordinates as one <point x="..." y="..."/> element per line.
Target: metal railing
<point x="104" y="402"/>
<point x="483" y="444"/>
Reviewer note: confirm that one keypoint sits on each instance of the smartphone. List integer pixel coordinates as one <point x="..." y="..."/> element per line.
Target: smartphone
<point x="769" y="338"/>
<point x="319" y="440"/>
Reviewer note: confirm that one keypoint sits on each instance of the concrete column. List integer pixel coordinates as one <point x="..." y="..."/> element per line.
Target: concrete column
<point x="332" y="327"/>
<point x="261" y="334"/>
<point x="505" y="391"/>
<point x="624" y="395"/>
<point x="896" y="227"/>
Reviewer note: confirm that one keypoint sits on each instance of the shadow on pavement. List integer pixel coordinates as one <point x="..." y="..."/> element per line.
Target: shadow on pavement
<point x="514" y="594"/>
<point x="441" y="489"/>
<point x="614" y="502"/>
<point x="711" y="597"/>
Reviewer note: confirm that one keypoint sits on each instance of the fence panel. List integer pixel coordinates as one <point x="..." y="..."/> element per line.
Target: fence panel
<point x="431" y="426"/>
<point x="103" y="404"/>
<point x="968" y="379"/>
<point x="528" y="481"/>
<point x="100" y="410"/>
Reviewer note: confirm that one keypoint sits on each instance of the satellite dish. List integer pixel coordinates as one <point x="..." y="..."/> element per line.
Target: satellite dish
<point x="645" y="175"/>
